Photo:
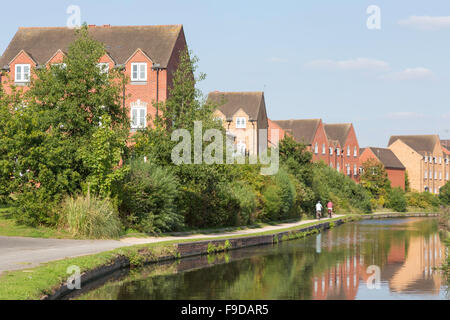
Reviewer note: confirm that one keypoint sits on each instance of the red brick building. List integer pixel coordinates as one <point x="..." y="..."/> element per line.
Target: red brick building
<point x="345" y="157"/>
<point x="394" y="168"/>
<point x="311" y="133"/>
<point x="148" y="55"/>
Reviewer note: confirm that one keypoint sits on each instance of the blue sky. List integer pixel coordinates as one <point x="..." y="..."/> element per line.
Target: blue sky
<point x="313" y="59"/>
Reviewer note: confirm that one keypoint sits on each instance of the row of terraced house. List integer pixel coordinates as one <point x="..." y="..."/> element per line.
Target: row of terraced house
<point x="149" y="55"/>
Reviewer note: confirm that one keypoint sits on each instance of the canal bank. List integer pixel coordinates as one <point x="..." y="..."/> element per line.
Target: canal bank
<point x="47" y="281"/>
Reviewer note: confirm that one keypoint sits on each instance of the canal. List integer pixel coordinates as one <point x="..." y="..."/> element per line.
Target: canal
<point x="368" y="259"/>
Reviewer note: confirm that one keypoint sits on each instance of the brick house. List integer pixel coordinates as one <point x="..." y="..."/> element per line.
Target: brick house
<point x="424" y="159"/>
<point x="272" y="128"/>
<point x="242" y="114"/>
<point x="345" y="157"/>
<point x="148" y="55"/>
<point x="393" y="166"/>
<point x="310" y="132"/>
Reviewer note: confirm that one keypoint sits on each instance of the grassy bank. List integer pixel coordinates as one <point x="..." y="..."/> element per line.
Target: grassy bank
<point x="43" y="280"/>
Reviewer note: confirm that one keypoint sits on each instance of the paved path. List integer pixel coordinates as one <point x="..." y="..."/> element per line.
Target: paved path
<point x="22" y="253"/>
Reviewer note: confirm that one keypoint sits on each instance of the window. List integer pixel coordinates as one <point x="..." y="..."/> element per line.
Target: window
<point x="316" y="148"/>
<point x="324" y="149"/>
<point x="355" y="170"/>
<point x="435" y="175"/>
<point x="431" y="174"/>
<point x="426" y="174"/>
<point x="138" y="115"/>
<point x="103" y="66"/>
<point x="348" y="170"/>
<point x="440" y="175"/>
<point x="338" y="151"/>
<point x="425" y="159"/>
<point x="241" y="123"/>
<point x="348" y="151"/>
<point x="22" y="73"/>
<point x="241" y="148"/>
<point x="440" y="160"/>
<point x="139" y="71"/>
<point x="331" y="151"/>
<point x="446" y="176"/>
<point x="355" y="152"/>
<point x="59" y="65"/>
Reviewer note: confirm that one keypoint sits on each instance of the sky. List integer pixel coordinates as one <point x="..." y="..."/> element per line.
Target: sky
<point x="313" y="59"/>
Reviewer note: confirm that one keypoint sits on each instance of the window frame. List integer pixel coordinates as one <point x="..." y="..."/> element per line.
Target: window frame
<point x="138" y="109"/>
<point x="241" y="123"/>
<point x="22" y="80"/>
<point x="100" y="64"/>
<point x="139" y="79"/>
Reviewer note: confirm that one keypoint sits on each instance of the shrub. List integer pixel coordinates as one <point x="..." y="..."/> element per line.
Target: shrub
<point x="148" y="201"/>
<point x="90" y="217"/>
<point x="424" y="200"/>
<point x="33" y="208"/>
<point x="279" y="197"/>
<point x="246" y="201"/>
<point x="444" y="195"/>
<point x="396" y="200"/>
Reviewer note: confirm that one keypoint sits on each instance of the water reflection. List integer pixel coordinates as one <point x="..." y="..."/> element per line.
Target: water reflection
<point x="337" y="264"/>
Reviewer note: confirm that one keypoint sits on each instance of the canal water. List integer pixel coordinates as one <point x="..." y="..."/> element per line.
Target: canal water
<point x="369" y="259"/>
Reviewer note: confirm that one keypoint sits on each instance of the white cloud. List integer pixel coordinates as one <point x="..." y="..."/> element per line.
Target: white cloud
<point x="357" y="64"/>
<point x="426" y="22"/>
<point x="404" y="115"/>
<point x="419" y="73"/>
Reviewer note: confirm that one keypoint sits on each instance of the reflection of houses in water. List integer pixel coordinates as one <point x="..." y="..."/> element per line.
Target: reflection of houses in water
<point x="409" y="267"/>
<point x="340" y="281"/>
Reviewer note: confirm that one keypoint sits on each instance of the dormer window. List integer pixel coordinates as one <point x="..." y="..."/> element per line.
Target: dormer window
<point x="139" y="71"/>
<point x="22" y="73"/>
<point x="241" y="123"/>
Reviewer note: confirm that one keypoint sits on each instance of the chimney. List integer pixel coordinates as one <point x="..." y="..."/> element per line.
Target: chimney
<point x="106" y="26"/>
<point x="91" y="25"/>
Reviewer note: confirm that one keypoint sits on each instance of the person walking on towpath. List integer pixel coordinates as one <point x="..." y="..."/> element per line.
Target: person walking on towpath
<point x="318" y="210"/>
<point x="330" y="209"/>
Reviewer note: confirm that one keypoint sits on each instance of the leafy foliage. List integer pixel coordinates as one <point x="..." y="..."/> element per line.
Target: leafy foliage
<point x="444" y="194"/>
<point x="397" y="200"/>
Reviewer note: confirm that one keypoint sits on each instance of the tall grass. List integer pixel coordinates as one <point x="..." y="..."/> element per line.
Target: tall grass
<point x="91" y="217"/>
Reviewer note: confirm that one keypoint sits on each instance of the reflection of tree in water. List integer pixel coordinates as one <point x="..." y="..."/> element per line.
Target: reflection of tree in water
<point x="290" y="270"/>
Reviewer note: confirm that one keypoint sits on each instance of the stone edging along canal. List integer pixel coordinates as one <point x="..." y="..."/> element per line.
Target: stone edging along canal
<point x="197" y="248"/>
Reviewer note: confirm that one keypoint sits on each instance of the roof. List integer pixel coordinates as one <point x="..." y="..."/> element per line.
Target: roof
<point x="302" y="130"/>
<point x="338" y="131"/>
<point x="386" y="157"/>
<point x="121" y="42"/>
<point x="445" y="144"/>
<point x="230" y="102"/>
<point x="419" y="143"/>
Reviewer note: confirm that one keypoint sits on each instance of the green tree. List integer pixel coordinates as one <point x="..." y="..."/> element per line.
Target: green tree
<point x="55" y="122"/>
<point x="444" y="194"/>
<point x="375" y="180"/>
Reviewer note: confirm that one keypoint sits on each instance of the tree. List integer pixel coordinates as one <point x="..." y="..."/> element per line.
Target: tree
<point x="444" y="194"/>
<point x="54" y="125"/>
<point x="407" y="185"/>
<point x="375" y="180"/>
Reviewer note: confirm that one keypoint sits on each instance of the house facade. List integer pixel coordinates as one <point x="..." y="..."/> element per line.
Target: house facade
<point x="345" y="157"/>
<point x="243" y="114"/>
<point x="148" y="55"/>
<point x="309" y="132"/>
<point x="393" y="166"/>
<point x="425" y="160"/>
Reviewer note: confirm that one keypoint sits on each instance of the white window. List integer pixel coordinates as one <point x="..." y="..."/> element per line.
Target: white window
<point x="331" y="151"/>
<point x="241" y="148"/>
<point x="446" y="176"/>
<point x="440" y="175"/>
<point x="348" y="170"/>
<point x="22" y="73"/>
<point x="241" y="123"/>
<point x="348" y="151"/>
<point x="324" y="149"/>
<point x="316" y="148"/>
<point x="103" y="66"/>
<point x="426" y="174"/>
<point x="59" y="65"/>
<point x="338" y="151"/>
<point x="431" y="174"/>
<point x="355" y="170"/>
<point x="138" y="115"/>
<point x="435" y="175"/>
<point x="355" y="152"/>
<point x="139" y="71"/>
<point x="440" y="160"/>
<point x="426" y="159"/>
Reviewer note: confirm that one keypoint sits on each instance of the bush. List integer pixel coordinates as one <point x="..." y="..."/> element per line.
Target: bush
<point x="279" y="197"/>
<point x="424" y="200"/>
<point x="33" y="208"/>
<point x="246" y="201"/>
<point x="90" y="217"/>
<point x="396" y="200"/>
<point x="444" y="194"/>
<point x="148" y="202"/>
